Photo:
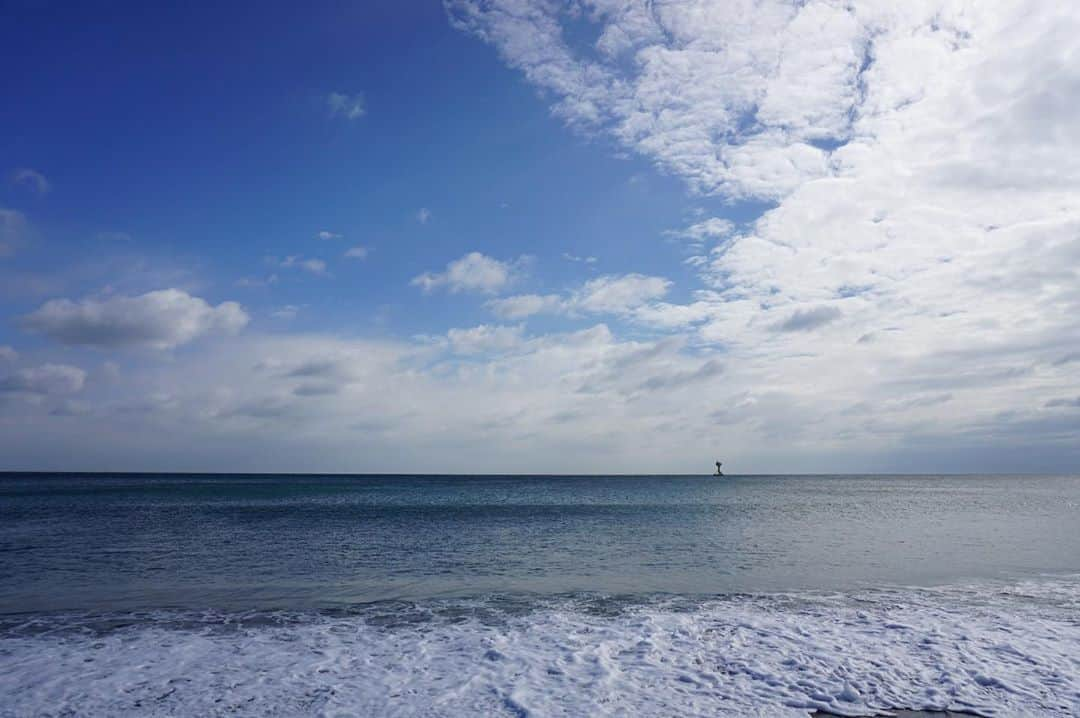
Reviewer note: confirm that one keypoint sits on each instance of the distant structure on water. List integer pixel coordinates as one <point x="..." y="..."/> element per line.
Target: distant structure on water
<point x="718" y="471"/>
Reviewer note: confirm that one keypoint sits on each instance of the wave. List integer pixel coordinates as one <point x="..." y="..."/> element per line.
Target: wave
<point x="990" y="649"/>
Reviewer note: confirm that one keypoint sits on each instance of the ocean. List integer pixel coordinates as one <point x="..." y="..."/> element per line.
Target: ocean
<point x="538" y="595"/>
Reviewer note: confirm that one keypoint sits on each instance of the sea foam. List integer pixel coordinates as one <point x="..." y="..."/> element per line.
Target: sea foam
<point x="994" y="650"/>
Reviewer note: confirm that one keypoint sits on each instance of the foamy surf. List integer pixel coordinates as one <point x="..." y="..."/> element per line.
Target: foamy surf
<point x="989" y="649"/>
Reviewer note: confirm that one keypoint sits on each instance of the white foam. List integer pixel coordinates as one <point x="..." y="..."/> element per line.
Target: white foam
<point x="1011" y="651"/>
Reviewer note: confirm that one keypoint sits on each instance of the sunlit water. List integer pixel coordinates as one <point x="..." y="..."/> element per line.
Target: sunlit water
<point x="265" y="595"/>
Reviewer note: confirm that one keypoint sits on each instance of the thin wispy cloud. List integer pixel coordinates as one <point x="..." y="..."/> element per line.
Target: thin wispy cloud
<point x="250" y="282"/>
<point x="347" y="107"/>
<point x="713" y="228"/>
<point x="526" y="305"/>
<point x="113" y="237"/>
<point x="311" y="265"/>
<point x="287" y="312"/>
<point x="575" y="258"/>
<point x="609" y="294"/>
<point x="14" y="231"/>
<point x="32" y="180"/>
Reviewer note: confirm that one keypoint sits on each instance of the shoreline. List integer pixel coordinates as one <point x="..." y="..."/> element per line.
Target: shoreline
<point x="988" y="654"/>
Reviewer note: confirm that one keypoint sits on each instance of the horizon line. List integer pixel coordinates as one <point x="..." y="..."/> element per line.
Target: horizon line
<point x="496" y="474"/>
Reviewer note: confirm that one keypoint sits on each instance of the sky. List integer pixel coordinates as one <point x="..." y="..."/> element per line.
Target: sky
<point x="540" y="236"/>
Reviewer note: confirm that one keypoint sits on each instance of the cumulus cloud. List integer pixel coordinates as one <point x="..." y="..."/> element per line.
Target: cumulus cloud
<point x="31" y="180"/>
<point x="474" y="272"/>
<point x="922" y="231"/>
<point x="47" y="379"/>
<point x="348" y="107"/>
<point x="737" y="98"/>
<point x="325" y="234"/>
<point x="357" y="252"/>
<point x="161" y="319"/>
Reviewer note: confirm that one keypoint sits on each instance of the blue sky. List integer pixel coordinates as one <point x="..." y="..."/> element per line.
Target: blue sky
<point x="200" y="136"/>
<point x="529" y="235"/>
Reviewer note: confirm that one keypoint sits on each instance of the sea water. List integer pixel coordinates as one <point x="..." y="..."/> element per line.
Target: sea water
<point x="644" y="595"/>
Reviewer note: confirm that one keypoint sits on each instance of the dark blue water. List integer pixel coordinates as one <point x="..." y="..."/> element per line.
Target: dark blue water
<point x="96" y="542"/>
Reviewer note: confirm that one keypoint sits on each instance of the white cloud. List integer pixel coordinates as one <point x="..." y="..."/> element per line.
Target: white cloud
<point x="324" y="234"/>
<point x="257" y="281"/>
<point x="8" y="354"/>
<point x="609" y="294"/>
<point x="31" y="180"/>
<point x="423" y="215"/>
<point x="618" y="294"/>
<point x="713" y="228"/>
<point x="357" y="252"/>
<point x="161" y="319"/>
<point x="287" y="312"/>
<point x="525" y="305"/>
<point x="474" y="272"/>
<point x="664" y="315"/>
<point x="575" y="258"/>
<point x="47" y="379"/>
<point x="309" y="264"/>
<point x="734" y="97"/>
<point x="484" y="339"/>
<point x="924" y="199"/>
<point x="349" y="107"/>
<point x="319" y="403"/>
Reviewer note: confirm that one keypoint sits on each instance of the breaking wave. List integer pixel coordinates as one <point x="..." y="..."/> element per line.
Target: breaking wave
<point x="991" y="649"/>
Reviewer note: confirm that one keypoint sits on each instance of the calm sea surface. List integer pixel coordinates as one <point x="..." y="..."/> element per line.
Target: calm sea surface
<point x="96" y="542"/>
